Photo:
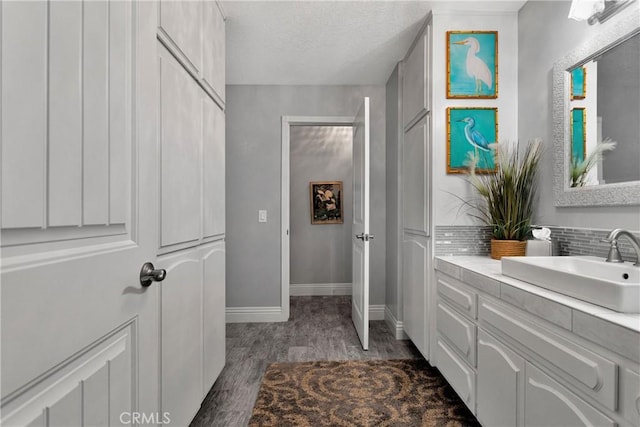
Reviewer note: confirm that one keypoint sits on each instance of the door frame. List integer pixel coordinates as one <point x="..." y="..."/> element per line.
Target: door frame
<point x="285" y="175"/>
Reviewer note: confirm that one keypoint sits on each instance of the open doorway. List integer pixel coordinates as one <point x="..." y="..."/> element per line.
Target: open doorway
<point x="360" y="232"/>
<point x="298" y="126"/>
<point x="321" y="210"/>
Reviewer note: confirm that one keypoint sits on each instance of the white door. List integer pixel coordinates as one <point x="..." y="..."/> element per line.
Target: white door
<point x="79" y="214"/>
<point x="362" y="238"/>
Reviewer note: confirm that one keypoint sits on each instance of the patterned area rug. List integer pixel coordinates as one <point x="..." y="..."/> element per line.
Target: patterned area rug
<point x="358" y="393"/>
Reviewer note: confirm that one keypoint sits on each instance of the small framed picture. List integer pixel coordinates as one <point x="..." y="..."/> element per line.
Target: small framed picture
<point x="472" y="64"/>
<point x="578" y="83"/>
<point x="326" y="202"/>
<point x="471" y="131"/>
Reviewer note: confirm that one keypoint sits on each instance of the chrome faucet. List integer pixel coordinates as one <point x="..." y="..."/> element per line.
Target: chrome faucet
<point x="614" y="252"/>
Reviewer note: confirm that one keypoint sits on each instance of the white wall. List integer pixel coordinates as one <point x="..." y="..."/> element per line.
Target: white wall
<point x="545" y="35"/>
<point x="253" y="181"/>
<point x="446" y="206"/>
<point x="320" y="253"/>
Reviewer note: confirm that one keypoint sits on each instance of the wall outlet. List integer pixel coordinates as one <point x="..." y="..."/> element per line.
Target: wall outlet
<point x="262" y="216"/>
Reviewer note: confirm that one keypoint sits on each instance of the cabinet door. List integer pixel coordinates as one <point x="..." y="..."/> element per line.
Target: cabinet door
<point x="414" y="291"/>
<point x="181" y="21"/>
<point x="213" y="303"/>
<point x="548" y="403"/>
<point x="414" y="86"/>
<point x="500" y="383"/>
<point x="213" y="48"/>
<point x="458" y="373"/>
<point x="181" y="336"/>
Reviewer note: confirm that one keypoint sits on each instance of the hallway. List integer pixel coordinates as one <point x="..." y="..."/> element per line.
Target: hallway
<point x="319" y="328"/>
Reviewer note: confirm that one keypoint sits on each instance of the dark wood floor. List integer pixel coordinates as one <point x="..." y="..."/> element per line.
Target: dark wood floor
<point x="319" y="328"/>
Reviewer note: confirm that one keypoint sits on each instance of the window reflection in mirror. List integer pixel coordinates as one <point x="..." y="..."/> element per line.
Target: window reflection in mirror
<point x="605" y="103"/>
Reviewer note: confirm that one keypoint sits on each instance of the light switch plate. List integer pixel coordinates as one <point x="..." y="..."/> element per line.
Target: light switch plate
<point x="262" y="216"/>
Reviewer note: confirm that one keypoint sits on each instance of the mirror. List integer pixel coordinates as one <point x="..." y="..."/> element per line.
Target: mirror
<point x="597" y="99"/>
<point x="604" y="99"/>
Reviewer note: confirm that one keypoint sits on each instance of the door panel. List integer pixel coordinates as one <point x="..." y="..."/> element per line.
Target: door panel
<point x="500" y="383"/>
<point x="96" y="118"/>
<point x="182" y="22"/>
<point x="181" y="144"/>
<point x="72" y="305"/>
<point x="360" y="247"/>
<point x="414" y="274"/>
<point x="415" y="180"/>
<point x="415" y="88"/>
<point x="213" y="69"/>
<point x="181" y="327"/>
<point x="214" y="169"/>
<point x="103" y="374"/>
<point x="213" y="302"/>
<point x="24" y="113"/>
<point x="65" y="114"/>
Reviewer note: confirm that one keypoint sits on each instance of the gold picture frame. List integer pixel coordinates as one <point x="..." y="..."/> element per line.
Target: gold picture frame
<point x="472" y="64"/>
<point x="326" y="199"/>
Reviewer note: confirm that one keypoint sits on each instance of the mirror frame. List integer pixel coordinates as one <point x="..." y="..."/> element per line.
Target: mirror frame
<point x="616" y="194"/>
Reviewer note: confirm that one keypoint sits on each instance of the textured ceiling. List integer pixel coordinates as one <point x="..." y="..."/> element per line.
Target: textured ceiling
<point x="326" y="42"/>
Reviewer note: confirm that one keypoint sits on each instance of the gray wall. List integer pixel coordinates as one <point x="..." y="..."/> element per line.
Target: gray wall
<point x="392" y="295"/>
<point x="544" y="36"/>
<point x="320" y="253"/>
<point x="253" y="159"/>
<point x="619" y="104"/>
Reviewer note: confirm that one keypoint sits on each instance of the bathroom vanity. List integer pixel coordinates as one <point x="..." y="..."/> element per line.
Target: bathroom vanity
<point x="521" y="355"/>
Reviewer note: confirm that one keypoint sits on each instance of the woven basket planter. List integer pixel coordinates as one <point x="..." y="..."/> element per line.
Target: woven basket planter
<point x="500" y="248"/>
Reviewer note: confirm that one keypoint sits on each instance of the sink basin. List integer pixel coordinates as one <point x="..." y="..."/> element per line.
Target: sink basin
<point x="611" y="285"/>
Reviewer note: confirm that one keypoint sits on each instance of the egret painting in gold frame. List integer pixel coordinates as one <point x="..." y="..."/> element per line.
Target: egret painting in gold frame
<point x="472" y="64"/>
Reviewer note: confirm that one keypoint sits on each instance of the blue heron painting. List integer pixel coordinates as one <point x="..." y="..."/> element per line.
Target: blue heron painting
<point x="471" y="131"/>
<point x="472" y="64"/>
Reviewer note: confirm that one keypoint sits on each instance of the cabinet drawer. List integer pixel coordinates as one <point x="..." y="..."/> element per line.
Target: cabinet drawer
<point x="461" y="297"/>
<point x="458" y="373"/>
<point x="584" y="369"/>
<point x="458" y="331"/>
<point x="549" y="403"/>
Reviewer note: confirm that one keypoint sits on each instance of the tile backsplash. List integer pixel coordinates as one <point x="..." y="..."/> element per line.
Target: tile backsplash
<point x="462" y="240"/>
<point x="476" y="240"/>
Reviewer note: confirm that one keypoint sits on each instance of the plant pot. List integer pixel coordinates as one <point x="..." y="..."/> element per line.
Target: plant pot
<point x="500" y="248"/>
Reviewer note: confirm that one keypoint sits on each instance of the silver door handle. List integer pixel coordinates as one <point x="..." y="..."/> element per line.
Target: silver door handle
<point x="148" y="274"/>
<point x="360" y="236"/>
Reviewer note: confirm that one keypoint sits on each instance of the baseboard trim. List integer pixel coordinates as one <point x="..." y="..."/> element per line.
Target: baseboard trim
<point x="319" y="289"/>
<point x="396" y="326"/>
<point x="376" y="312"/>
<point x="274" y="314"/>
<point x="254" y="314"/>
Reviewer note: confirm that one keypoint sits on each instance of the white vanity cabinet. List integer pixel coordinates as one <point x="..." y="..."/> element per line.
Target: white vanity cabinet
<point x="512" y="367"/>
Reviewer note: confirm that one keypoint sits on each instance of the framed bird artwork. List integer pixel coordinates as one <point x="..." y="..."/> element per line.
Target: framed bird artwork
<point x="472" y="64"/>
<point x="470" y="132"/>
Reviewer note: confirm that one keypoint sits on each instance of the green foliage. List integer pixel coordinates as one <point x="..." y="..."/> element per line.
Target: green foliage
<point x="580" y="170"/>
<point x="507" y="197"/>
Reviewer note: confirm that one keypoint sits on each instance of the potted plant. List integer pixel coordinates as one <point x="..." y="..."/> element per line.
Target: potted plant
<point x="507" y="196"/>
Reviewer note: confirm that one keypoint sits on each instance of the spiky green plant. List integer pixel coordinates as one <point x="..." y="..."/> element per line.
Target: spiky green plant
<point x="580" y="169"/>
<point x="507" y="197"/>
